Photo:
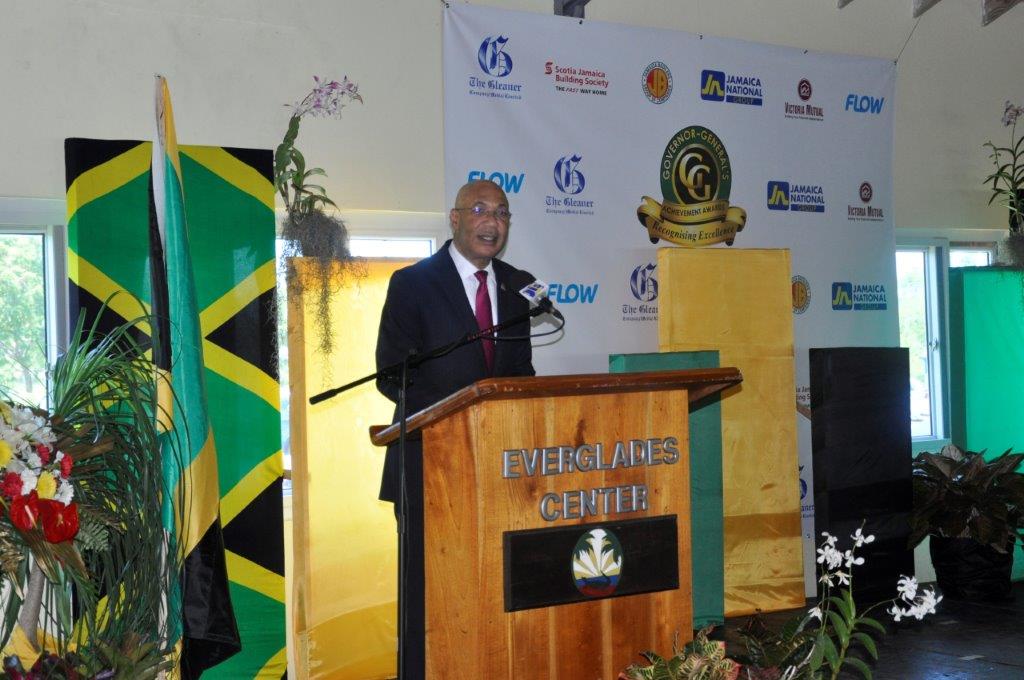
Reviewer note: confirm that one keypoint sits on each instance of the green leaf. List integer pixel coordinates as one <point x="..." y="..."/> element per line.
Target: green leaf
<point x="817" y="655"/>
<point x="842" y="606"/>
<point x="828" y="648"/>
<point x="871" y="623"/>
<point x="868" y="643"/>
<point x="842" y="629"/>
<point x="859" y="665"/>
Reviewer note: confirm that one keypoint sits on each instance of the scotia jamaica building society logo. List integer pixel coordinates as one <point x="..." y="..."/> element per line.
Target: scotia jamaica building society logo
<point x="718" y="86"/>
<point x="696" y="177"/>
<point x="495" y="61"/>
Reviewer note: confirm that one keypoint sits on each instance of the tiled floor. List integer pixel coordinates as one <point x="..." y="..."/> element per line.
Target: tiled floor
<point x="963" y="641"/>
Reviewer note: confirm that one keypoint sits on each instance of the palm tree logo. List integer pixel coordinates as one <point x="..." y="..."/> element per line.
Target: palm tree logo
<point x="597" y="563"/>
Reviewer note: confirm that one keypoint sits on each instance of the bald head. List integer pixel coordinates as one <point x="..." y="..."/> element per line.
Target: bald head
<point x="477" y="232"/>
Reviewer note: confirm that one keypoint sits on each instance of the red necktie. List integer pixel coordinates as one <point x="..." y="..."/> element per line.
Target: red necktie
<point x="483" y="317"/>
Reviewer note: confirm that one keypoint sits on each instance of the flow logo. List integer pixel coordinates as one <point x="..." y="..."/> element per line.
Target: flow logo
<point x="568" y="177"/>
<point x="510" y="182"/>
<point x="643" y="284"/>
<point x="862" y="103"/>
<point x="569" y="293"/>
<point x="492" y="57"/>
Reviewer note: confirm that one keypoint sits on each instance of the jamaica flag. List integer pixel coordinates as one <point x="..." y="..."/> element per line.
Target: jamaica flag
<point x="191" y="512"/>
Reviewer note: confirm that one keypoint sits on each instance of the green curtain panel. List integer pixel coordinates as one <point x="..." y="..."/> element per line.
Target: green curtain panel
<point x="706" y="523"/>
<point x="986" y="363"/>
<point x="229" y="206"/>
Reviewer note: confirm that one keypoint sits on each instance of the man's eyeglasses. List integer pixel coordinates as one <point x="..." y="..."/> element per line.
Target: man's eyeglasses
<point x="501" y="213"/>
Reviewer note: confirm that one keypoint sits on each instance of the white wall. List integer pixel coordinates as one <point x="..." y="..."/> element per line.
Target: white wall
<point x="85" y="67"/>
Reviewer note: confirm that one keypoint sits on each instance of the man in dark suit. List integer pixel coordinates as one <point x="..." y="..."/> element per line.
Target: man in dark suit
<point x="458" y="290"/>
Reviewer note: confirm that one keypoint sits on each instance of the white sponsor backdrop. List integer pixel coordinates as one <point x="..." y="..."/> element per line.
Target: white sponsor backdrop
<point x="523" y="92"/>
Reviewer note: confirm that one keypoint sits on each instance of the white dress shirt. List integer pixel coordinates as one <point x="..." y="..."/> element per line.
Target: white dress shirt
<point x="467" y="272"/>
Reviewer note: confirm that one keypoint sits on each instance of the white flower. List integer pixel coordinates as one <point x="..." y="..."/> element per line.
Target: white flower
<point x="829" y="539"/>
<point x="815" y="614"/>
<point x="859" y="539"/>
<point x="907" y="588"/>
<point x="33" y="461"/>
<point x="65" y="492"/>
<point x="830" y="557"/>
<point x="826" y="579"/>
<point x="844" y="578"/>
<point x="851" y="560"/>
<point x="896" y="612"/>
<point x="29" y="479"/>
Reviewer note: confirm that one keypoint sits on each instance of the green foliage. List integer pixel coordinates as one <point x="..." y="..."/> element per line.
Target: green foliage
<point x="22" y="318"/>
<point x="1007" y="179"/>
<point x="958" y="494"/>
<point x="699" y="659"/>
<point x="119" y="568"/>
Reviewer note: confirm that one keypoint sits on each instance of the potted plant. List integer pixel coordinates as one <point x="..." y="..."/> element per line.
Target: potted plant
<point x="1007" y="182"/>
<point x="973" y="509"/>
<point x="308" y="230"/>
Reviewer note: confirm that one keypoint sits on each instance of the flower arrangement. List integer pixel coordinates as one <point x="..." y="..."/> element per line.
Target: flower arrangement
<point x="1007" y="180"/>
<point x="36" y="488"/>
<point x="86" y="567"/>
<point x="309" y="231"/>
<point x="812" y="646"/>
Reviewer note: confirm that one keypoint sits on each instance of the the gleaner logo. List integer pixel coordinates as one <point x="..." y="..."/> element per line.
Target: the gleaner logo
<point x="696" y="178"/>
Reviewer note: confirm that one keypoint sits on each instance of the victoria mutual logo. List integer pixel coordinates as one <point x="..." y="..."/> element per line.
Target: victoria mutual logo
<point x="568" y="177"/>
<point x="492" y="57"/>
<point x="510" y="182"/>
<point x="862" y="103"/>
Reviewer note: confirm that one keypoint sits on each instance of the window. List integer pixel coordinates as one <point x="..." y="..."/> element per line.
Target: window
<point x="920" y="285"/>
<point x="971" y="254"/>
<point x="33" y="295"/>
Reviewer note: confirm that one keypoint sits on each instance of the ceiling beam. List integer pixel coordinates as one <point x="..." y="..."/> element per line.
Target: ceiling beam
<point x="993" y="9"/>
<point x="922" y="6"/>
<point x="570" y="8"/>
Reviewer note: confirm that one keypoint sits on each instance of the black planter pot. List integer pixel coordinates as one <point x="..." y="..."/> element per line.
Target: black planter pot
<point x="968" y="570"/>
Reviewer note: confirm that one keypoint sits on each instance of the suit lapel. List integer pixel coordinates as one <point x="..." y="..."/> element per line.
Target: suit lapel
<point x="455" y="293"/>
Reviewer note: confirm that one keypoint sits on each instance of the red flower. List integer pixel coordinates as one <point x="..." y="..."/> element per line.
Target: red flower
<point x="44" y="453"/>
<point x="25" y="511"/>
<point x="11" y="485"/>
<point x="65" y="466"/>
<point x="60" y="522"/>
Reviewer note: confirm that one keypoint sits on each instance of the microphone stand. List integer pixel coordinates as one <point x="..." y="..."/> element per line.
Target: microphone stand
<point x="401" y="369"/>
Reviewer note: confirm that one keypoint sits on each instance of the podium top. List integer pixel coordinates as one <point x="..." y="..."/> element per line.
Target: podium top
<point x="699" y="382"/>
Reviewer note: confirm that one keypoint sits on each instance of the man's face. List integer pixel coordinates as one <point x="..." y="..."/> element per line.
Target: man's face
<point x="479" y="237"/>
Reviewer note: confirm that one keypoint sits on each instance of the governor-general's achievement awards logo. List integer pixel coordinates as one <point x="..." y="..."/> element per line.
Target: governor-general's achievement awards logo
<point x="696" y="177"/>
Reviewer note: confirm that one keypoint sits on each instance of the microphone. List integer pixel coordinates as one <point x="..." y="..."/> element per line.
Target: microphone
<point x="535" y="291"/>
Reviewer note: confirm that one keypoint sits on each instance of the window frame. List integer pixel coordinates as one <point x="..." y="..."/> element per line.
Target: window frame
<point x="45" y="217"/>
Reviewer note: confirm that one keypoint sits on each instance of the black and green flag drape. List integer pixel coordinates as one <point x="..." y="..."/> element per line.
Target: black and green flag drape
<point x="229" y="203"/>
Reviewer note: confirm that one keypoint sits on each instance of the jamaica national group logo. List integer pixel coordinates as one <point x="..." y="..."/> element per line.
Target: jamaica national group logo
<point x="597" y="563"/>
<point x="696" y="178"/>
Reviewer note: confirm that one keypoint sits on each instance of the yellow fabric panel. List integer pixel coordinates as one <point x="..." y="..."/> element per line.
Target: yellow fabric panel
<point x="740" y="303"/>
<point x="345" y="540"/>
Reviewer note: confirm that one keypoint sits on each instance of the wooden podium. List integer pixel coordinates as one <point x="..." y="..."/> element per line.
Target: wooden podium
<point x="557" y="532"/>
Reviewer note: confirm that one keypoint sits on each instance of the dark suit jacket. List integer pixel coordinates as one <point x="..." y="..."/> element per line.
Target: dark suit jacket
<point x="426" y="307"/>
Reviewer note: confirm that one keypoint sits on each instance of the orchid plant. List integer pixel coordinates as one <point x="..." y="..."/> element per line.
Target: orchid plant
<point x="291" y="177"/>
<point x="840" y="628"/>
<point x="308" y="231"/>
<point x="1008" y="178"/>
